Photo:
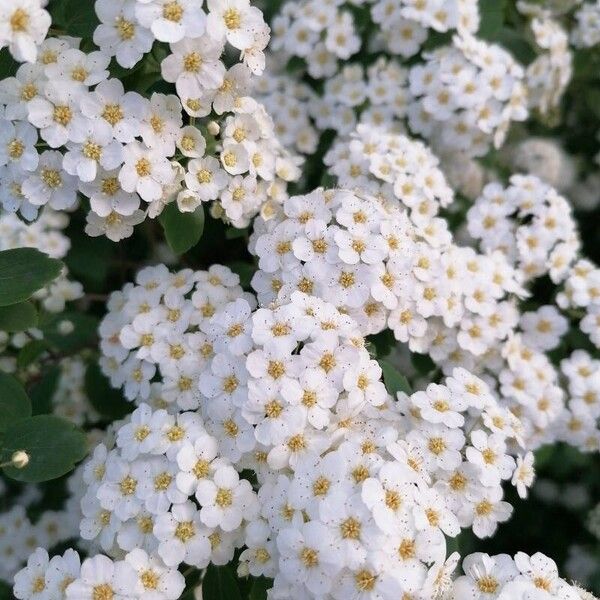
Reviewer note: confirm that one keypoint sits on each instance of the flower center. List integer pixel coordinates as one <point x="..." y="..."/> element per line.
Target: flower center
<point x="51" y="177"/>
<point x="185" y="531"/>
<point x="150" y="580"/>
<point x="92" y="151"/>
<point x="19" y="20"/>
<point x="103" y="592"/>
<point x="172" y="11"/>
<point x="112" y="114"/>
<point x="309" y="557"/>
<point x="224" y="498"/>
<point x="62" y="114"/>
<point x="143" y="167"/>
<point x="128" y="486"/>
<point x="162" y="482"/>
<point x="125" y="28"/>
<point x="232" y="18"/>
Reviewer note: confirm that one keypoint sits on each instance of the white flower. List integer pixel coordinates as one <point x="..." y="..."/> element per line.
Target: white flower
<point x="119" y="33"/>
<point x="23" y="27"/>
<point x="308" y="557"/>
<point x="145" y="171"/>
<point x="172" y="20"/>
<point x="234" y="20"/>
<point x="183" y="537"/>
<point x="101" y="577"/>
<point x="225" y="499"/>
<point x="155" y="581"/>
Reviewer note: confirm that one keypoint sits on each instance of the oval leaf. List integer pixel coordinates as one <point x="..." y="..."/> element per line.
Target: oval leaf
<point x="23" y="271"/>
<point x="219" y="583"/>
<point x="18" y="317"/>
<point x="14" y="402"/>
<point x="53" y="444"/>
<point x="182" y="230"/>
<point x="394" y="381"/>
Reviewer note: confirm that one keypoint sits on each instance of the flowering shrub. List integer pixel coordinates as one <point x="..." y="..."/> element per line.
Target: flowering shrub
<point x="299" y="299"/>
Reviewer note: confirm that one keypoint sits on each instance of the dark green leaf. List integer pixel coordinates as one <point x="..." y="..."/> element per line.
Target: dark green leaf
<point x="23" y="271"/>
<point x="182" y="230"/>
<point x="83" y="334"/>
<point x="14" y="402"/>
<point x="232" y="233"/>
<point x="53" y="444"/>
<point x="382" y="343"/>
<point x="394" y="381"/>
<point x="42" y="391"/>
<point x="219" y="583"/>
<point x="422" y="363"/>
<point x="18" y="317"/>
<point x="8" y="65"/>
<point x="78" y="18"/>
<point x="492" y="18"/>
<point x="30" y="352"/>
<point x="259" y="588"/>
<point x="105" y="399"/>
<point x="89" y="258"/>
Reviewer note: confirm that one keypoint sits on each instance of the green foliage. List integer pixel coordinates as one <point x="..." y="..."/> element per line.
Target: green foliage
<point x="18" y="317"/>
<point x="14" y="403"/>
<point x="394" y="381"/>
<point x="54" y="446"/>
<point x="220" y="583"/>
<point x="182" y="230"/>
<point x="108" y="401"/>
<point x="42" y="390"/>
<point x="83" y="334"/>
<point x="23" y="271"/>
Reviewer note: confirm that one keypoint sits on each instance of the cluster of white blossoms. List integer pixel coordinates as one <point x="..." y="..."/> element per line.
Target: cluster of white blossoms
<point x="474" y="89"/>
<point x="163" y="323"/>
<point x="548" y="76"/>
<point x="19" y="537"/>
<point x="580" y="421"/>
<point x="70" y="399"/>
<point x="287" y="102"/>
<point x="528" y="221"/>
<point x="505" y="578"/>
<point x="354" y="492"/>
<point x="388" y="165"/>
<point x="582" y="293"/>
<point x="586" y="33"/>
<point x="130" y="155"/>
<point x="322" y="33"/>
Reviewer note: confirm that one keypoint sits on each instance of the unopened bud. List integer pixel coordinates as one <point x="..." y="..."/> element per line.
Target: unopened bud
<point x="213" y="128"/>
<point x="66" y="327"/>
<point x="20" y="459"/>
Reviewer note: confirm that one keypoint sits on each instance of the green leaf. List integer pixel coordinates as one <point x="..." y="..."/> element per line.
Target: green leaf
<point x="30" y="352"/>
<point x="18" y="317"/>
<point x="83" y="334"/>
<point x="41" y="392"/>
<point x="23" y="271"/>
<point x="219" y="583"/>
<point x="78" y="18"/>
<point x="259" y="588"/>
<point x="105" y="399"/>
<point x="492" y="18"/>
<point x="394" y="381"/>
<point x="14" y="402"/>
<point x="53" y="444"/>
<point x="182" y="230"/>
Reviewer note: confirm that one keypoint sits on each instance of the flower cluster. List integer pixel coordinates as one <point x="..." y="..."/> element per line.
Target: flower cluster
<point x="548" y="76"/>
<point x="475" y="89"/>
<point x="130" y="155"/>
<point x="530" y="223"/>
<point x="162" y="324"/>
<point x="582" y="293"/>
<point x="586" y="33"/>
<point x="19" y="537"/>
<point x="324" y="33"/>
<point x="354" y="491"/>
<point x="505" y="578"/>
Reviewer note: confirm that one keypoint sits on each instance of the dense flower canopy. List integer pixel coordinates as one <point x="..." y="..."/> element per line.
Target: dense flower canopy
<point x="299" y="299"/>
